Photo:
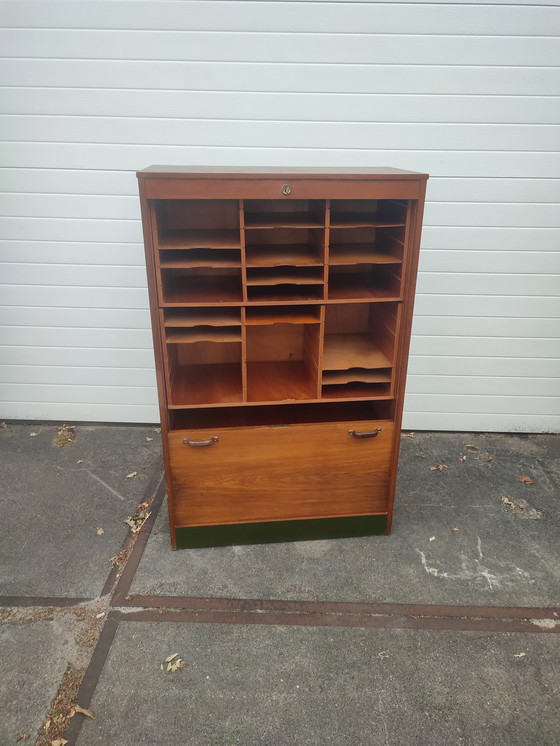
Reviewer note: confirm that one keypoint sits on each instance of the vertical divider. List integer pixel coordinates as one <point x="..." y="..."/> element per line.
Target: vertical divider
<point x="321" y="348"/>
<point x="322" y="308"/>
<point x="243" y="251"/>
<point x="244" y="291"/>
<point x="244" y="352"/>
<point x="326" y="252"/>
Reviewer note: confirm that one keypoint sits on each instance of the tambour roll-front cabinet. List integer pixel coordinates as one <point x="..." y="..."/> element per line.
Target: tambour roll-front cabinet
<point x="281" y="305"/>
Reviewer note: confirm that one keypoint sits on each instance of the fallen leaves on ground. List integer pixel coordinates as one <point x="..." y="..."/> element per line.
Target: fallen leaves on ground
<point x="100" y="531"/>
<point x="432" y="538"/>
<point x="137" y="520"/>
<point x="455" y="530"/>
<point x="65" y="435"/>
<point x="439" y="467"/>
<point x="3" y="425"/>
<point x="383" y="654"/>
<point x="490" y="458"/>
<point x="407" y="435"/>
<point x="525" y="480"/>
<point x="77" y="709"/>
<point x="522" y="508"/>
<point x="23" y="737"/>
<point x="59" y="742"/>
<point x="463" y="458"/>
<point x="174" y="663"/>
<point x="471" y="447"/>
<point x="132" y="474"/>
<point x="148" y="439"/>
<point x="33" y="435"/>
<point x="157" y="430"/>
<point x="519" y="655"/>
<point x="80" y="461"/>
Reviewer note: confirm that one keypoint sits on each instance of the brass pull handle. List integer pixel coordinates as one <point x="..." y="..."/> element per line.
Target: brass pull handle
<point x="201" y="443"/>
<point x="373" y="434"/>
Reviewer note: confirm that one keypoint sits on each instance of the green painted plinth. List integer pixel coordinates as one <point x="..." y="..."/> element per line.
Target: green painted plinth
<point x="278" y="531"/>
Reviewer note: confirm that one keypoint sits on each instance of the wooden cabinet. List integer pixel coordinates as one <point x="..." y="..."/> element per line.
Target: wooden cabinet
<point x="281" y="305"/>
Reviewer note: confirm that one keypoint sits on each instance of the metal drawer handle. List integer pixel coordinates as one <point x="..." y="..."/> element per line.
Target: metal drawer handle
<point x="373" y="434"/>
<point x="201" y="443"/>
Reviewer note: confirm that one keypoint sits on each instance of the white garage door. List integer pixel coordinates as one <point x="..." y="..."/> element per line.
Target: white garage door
<point x="93" y="91"/>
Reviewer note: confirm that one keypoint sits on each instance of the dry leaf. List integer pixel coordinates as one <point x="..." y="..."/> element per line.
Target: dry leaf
<point x="463" y="458"/>
<point x="407" y="435"/>
<point x="59" y="742"/>
<point x="490" y="458"/>
<point x="149" y="439"/>
<point x="170" y="657"/>
<point x="65" y="435"/>
<point x="507" y="501"/>
<point x="470" y="447"/>
<point x="432" y="538"/>
<point x="161" y="666"/>
<point x="137" y="521"/>
<point x="157" y="430"/>
<point x="455" y="529"/>
<point x="3" y="425"/>
<point x="100" y="531"/>
<point x="439" y="467"/>
<point x="132" y="474"/>
<point x="87" y="713"/>
<point x="519" y="655"/>
<point x="32" y="435"/>
<point x="525" y="480"/>
<point x="383" y="654"/>
<point x="23" y="737"/>
<point x="176" y="665"/>
<point x="80" y="461"/>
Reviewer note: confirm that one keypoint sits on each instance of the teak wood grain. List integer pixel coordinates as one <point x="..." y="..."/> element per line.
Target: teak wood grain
<point x="280" y="290"/>
<point x="279" y="473"/>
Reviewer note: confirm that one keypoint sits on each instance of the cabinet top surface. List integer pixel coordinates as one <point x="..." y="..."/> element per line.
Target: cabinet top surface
<point x="234" y="172"/>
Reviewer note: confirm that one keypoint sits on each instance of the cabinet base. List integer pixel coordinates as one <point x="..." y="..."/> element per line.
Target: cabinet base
<point x="279" y="531"/>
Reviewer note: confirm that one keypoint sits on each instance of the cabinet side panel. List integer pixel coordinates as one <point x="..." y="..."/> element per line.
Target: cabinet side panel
<point x="412" y="255"/>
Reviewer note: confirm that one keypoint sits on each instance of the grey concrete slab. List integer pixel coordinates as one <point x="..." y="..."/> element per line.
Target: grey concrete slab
<point x="312" y="686"/>
<point x="33" y="658"/>
<point x="54" y="499"/>
<point x="496" y="557"/>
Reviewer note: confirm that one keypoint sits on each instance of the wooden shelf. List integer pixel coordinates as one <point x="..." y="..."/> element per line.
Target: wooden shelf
<point x="203" y="289"/>
<point x="197" y="385"/>
<point x="355" y="375"/>
<point x="296" y="255"/>
<point x="285" y="293"/>
<point x="282" y="220"/>
<point x="279" y="381"/>
<point x="341" y="254"/>
<point x="357" y="391"/>
<point x="279" y="315"/>
<point x="286" y="275"/>
<point x="360" y="286"/>
<point x="361" y="220"/>
<point x="344" y="351"/>
<point x="191" y="317"/>
<point x="200" y="258"/>
<point x="204" y="334"/>
<point x="199" y="239"/>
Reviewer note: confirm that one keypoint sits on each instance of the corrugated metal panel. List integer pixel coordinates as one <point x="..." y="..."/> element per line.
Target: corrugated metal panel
<point x="466" y="92"/>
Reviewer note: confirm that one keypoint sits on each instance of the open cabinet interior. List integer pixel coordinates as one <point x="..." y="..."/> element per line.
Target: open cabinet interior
<point x="281" y="316"/>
